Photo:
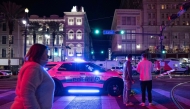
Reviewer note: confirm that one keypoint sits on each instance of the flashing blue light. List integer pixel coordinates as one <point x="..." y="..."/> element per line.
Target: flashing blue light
<point x="96" y="72"/>
<point x="83" y="91"/>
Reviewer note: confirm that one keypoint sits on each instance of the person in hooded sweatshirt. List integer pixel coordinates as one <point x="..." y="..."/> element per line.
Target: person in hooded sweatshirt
<point x="35" y="87"/>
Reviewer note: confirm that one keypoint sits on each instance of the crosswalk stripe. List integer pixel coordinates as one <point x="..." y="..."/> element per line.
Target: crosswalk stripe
<point x="109" y="102"/>
<point x="167" y="94"/>
<point x="6" y="93"/>
<point x="62" y="102"/>
<point x="155" y="106"/>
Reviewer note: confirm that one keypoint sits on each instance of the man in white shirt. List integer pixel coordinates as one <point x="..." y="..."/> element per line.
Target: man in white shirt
<point x="145" y="69"/>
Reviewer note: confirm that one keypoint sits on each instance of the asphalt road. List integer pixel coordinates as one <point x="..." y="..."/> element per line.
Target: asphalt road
<point x="161" y="96"/>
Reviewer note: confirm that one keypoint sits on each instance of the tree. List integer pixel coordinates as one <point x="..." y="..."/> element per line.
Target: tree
<point x="11" y="13"/>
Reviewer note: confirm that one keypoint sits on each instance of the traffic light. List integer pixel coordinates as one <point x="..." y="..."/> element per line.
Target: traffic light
<point x="92" y="52"/>
<point x="102" y="52"/>
<point x="122" y="32"/>
<point x="163" y="51"/>
<point x="97" y="31"/>
<point x="56" y="51"/>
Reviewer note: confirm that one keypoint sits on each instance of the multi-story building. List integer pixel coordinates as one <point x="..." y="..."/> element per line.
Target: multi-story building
<point x="67" y="37"/>
<point x="154" y="14"/>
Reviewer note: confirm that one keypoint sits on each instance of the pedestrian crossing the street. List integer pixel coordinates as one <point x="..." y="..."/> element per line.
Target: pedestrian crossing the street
<point x="161" y="100"/>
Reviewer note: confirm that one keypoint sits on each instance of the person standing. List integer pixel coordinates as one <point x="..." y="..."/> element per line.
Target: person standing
<point x="145" y="69"/>
<point x="128" y="80"/>
<point x="35" y="87"/>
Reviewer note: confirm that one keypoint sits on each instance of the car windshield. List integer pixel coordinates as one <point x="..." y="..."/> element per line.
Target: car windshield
<point x="94" y="67"/>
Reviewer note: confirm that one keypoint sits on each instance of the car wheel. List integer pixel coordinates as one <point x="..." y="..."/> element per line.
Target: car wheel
<point x="58" y="89"/>
<point x="114" y="88"/>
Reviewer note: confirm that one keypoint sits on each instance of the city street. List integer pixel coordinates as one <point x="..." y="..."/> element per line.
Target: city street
<point x="161" y="96"/>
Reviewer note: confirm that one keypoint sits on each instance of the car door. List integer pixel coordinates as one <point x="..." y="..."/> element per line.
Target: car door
<point x="91" y="74"/>
<point x="68" y="75"/>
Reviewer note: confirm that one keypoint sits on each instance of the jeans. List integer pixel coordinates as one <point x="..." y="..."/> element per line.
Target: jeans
<point x="146" y="85"/>
<point x="126" y="91"/>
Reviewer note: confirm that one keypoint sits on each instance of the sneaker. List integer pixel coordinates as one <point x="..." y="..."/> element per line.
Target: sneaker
<point x="129" y="104"/>
<point x="142" y="104"/>
<point x="150" y="104"/>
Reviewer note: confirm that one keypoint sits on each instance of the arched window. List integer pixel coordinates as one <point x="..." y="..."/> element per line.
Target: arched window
<point x="79" y="50"/>
<point x="71" y="51"/>
<point x="70" y="35"/>
<point x="40" y="40"/>
<point x="60" y="27"/>
<point x="79" y="35"/>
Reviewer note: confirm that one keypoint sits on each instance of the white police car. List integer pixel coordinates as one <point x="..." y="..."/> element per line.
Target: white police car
<point x="84" y="77"/>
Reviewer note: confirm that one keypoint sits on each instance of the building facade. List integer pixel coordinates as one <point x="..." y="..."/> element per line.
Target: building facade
<point x="67" y="37"/>
<point x="154" y="14"/>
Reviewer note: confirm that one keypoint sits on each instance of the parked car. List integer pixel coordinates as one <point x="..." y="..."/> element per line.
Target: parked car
<point x="5" y="73"/>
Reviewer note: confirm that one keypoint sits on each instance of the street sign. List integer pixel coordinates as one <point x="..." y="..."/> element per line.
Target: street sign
<point x="108" y="32"/>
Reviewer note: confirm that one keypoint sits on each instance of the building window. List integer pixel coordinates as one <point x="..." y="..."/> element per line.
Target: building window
<point x="153" y="15"/>
<point x="79" y="35"/>
<point x="70" y="21"/>
<point x="71" y="35"/>
<point x="78" y="21"/>
<point x="154" y="22"/>
<point x="27" y="40"/>
<point x="128" y="20"/>
<point x="149" y="6"/>
<point x="184" y="23"/>
<point x="163" y="23"/>
<point x="124" y="20"/>
<point x="3" y="53"/>
<point x="149" y="23"/>
<point x="167" y="6"/>
<point x="60" y="27"/>
<point x="187" y="15"/>
<point x="186" y="35"/>
<point x="133" y="35"/>
<point x="175" y="35"/>
<point x="183" y="15"/>
<point x="60" y="40"/>
<point x="4" y="40"/>
<point x="123" y="37"/>
<point x="149" y="15"/>
<point x="163" y="16"/>
<point x="4" y="27"/>
<point x="123" y="47"/>
<point x="40" y="40"/>
<point x="133" y="48"/>
<point x="128" y="35"/>
<point x="79" y="50"/>
<point x="71" y="51"/>
<point x="133" y="20"/>
<point x="162" y="6"/>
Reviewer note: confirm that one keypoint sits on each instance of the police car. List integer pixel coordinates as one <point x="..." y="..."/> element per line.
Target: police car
<point x="84" y="77"/>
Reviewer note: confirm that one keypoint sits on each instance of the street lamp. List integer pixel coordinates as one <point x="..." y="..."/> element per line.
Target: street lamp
<point x="25" y="22"/>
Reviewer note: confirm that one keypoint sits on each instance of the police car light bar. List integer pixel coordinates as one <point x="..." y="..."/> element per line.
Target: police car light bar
<point x="83" y="91"/>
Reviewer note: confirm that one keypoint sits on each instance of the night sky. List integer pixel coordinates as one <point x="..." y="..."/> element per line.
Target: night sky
<point x="99" y="12"/>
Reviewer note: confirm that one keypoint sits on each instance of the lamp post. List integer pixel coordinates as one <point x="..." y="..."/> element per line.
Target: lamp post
<point x="25" y="22"/>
